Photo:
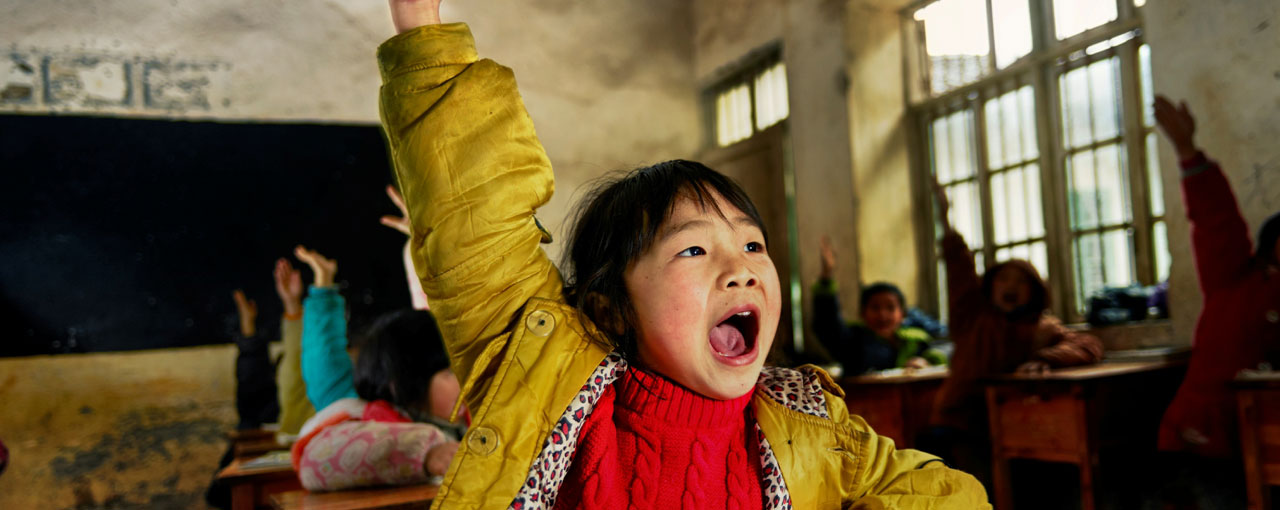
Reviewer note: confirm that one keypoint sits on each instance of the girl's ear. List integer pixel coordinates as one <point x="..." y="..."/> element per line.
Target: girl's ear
<point x="606" y="316"/>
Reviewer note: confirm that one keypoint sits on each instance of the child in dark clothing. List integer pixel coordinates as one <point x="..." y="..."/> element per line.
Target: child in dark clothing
<point x="877" y="342"/>
<point x="999" y="325"/>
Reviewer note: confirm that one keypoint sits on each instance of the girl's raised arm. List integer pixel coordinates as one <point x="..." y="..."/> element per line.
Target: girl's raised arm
<point x="472" y="173"/>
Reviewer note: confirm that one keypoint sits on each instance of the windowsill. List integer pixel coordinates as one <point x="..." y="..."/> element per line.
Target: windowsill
<point x="1147" y="336"/>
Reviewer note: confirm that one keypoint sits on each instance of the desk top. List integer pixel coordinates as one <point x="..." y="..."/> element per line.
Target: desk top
<point x="1257" y="379"/>
<point x="237" y="469"/>
<point x="386" y="497"/>
<point x="1089" y="372"/>
<point x="898" y="376"/>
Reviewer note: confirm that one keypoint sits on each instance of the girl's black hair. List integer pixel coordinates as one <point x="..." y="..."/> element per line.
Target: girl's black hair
<point x="881" y="288"/>
<point x="618" y="221"/>
<point x="399" y="354"/>
<point x="1265" y="253"/>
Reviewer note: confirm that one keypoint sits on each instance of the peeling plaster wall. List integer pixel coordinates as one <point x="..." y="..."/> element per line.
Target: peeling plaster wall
<point x="1223" y="58"/>
<point x="609" y="84"/>
<point x="811" y="32"/>
<point x="137" y="430"/>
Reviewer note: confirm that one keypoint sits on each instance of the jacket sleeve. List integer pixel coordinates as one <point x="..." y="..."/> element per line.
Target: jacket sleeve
<point x="295" y="408"/>
<point x="362" y="453"/>
<point x="472" y="173"/>
<point x="1067" y="348"/>
<point x="832" y="330"/>
<point x="326" y="368"/>
<point x="1219" y="235"/>
<point x="963" y="283"/>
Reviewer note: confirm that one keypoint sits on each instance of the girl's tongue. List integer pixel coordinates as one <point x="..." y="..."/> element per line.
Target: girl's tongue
<point x="727" y="340"/>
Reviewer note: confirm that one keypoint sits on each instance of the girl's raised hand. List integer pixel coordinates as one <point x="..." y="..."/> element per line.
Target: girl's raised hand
<point x="1178" y="126"/>
<point x="401" y="223"/>
<point x="289" y="287"/>
<point x="410" y="14"/>
<point x="828" y="259"/>
<point x="323" y="268"/>
<point x="247" y="309"/>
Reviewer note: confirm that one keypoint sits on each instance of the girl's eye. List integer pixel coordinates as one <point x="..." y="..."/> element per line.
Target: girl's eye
<point x="692" y="251"/>
<point x="754" y="247"/>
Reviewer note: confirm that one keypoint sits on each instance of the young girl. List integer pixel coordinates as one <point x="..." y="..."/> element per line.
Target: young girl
<point x="638" y="381"/>
<point x="400" y="380"/>
<point x="879" y="341"/>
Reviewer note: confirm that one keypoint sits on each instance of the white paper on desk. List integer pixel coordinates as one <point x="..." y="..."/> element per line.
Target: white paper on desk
<point x="271" y="460"/>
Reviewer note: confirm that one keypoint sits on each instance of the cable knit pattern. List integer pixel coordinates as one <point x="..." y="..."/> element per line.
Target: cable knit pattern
<point x="663" y="446"/>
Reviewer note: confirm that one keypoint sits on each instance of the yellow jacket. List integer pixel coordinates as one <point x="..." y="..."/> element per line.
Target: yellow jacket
<point x="473" y="172"/>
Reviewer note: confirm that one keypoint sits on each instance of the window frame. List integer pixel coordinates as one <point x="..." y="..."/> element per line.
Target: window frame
<point x="742" y="72"/>
<point x="1041" y="68"/>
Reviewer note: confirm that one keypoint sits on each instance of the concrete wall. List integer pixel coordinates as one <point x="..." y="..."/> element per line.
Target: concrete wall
<point x="1223" y="58"/>
<point x="137" y="430"/>
<point x="879" y="133"/>
<point x="812" y="43"/>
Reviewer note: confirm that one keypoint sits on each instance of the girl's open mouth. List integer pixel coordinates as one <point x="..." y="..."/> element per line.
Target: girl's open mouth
<point x="734" y="339"/>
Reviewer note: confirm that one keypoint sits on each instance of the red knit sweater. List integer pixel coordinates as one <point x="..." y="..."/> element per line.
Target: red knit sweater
<point x="651" y="443"/>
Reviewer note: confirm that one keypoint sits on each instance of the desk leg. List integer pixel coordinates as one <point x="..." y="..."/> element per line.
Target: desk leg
<point x="999" y="464"/>
<point x="1087" y="460"/>
<point x="1256" y="491"/>
<point x="242" y="497"/>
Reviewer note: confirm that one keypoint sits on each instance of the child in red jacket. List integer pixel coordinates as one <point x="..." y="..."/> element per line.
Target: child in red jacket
<point x="1240" y="319"/>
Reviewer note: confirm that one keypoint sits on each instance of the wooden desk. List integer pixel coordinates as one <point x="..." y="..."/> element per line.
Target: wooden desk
<point x="896" y="406"/>
<point x="251" y="487"/>
<point x="1059" y="417"/>
<point x="410" y="496"/>
<point x="1258" y="401"/>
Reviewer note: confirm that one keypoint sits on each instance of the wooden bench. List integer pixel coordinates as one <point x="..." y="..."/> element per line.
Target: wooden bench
<point x="252" y="486"/>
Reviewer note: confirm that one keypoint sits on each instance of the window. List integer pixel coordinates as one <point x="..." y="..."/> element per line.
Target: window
<point x="1037" y="120"/>
<point x="751" y="100"/>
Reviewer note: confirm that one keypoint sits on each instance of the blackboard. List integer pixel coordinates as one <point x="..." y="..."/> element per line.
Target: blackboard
<point x="123" y="234"/>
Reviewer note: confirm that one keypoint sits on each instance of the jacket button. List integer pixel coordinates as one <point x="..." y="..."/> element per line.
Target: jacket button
<point x="540" y="323"/>
<point x="482" y="441"/>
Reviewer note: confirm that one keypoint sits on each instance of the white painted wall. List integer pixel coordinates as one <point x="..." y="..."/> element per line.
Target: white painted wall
<point x="1223" y="58"/>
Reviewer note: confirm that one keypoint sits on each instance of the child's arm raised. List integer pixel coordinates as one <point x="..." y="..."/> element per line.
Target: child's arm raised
<point x="326" y="368"/>
<point x="472" y="173"/>
<point x="962" y="273"/>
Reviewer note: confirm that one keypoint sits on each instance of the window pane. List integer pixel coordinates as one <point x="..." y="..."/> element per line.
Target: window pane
<point x="1089" y="278"/>
<point x="733" y="115"/>
<point x="1144" y="67"/>
<point x="943" y="309"/>
<point x="1117" y="250"/>
<point x="1102" y="260"/>
<point x="966" y="212"/>
<point x="1113" y="197"/>
<point x="955" y="33"/>
<point x="1160" y="236"/>
<point x="1012" y="30"/>
<point x="1040" y="258"/>
<point x="1035" y="208"/>
<point x="1153" y="177"/>
<point x="1082" y="190"/>
<point x="1090" y="103"/>
<point x="1103" y="88"/>
<point x="771" y="96"/>
<point x="1072" y="17"/>
<point x="1011" y="131"/>
<point x="940" y="134"/>
<point x="1076" y="127"/>
<point x="1098" y="195"/>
